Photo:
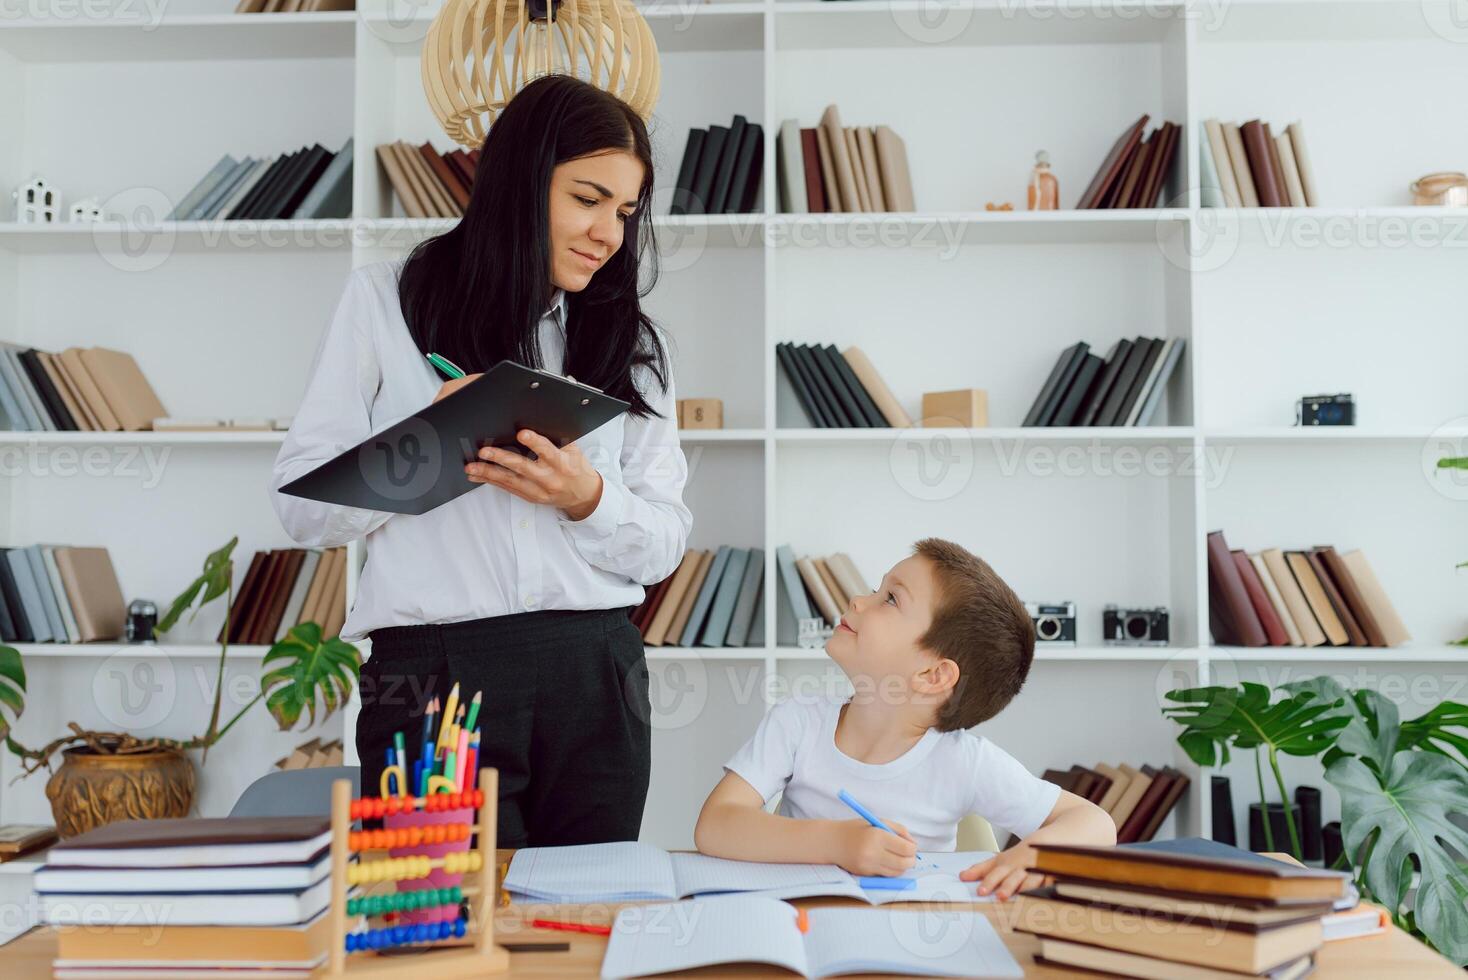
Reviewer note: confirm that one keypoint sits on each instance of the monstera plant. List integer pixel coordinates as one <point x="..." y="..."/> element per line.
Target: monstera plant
<point x="115" y="775"/>
<point x="1403" y="786"/>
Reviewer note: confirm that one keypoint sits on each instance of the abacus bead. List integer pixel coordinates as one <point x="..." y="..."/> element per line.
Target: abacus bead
<point x="394" y="805"/>
<point x="458" y="928"/>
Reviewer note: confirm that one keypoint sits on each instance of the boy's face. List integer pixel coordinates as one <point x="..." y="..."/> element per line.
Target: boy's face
<point x="877" y="637"/>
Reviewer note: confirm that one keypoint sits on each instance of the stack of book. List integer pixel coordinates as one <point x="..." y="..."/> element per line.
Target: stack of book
<point x="1187" y="908"/>
<point x="832" y="167"/>
<point x="427" y="183"/>
<point x="816" y="587"/>
<point x="312" y="182"/>
<point x="839" y="389"/>
<point x="1297" y="598"/>
<point x="286" y="587"/>
<point x="713" y="599"/>
<point x="191" y="897"/>
<point x="1249" y="167"/>
<point x="721" y="168"/>
<point x="91" y="389"/>
<point x="1125" y="388"/>
<point x="1135" y="171"/>
<point x="291" y="6"/>
<point x="59" y="595"/>
<point x="1138" y="799"/>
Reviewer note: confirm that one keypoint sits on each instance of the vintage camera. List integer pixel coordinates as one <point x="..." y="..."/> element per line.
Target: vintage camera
<point x="1055" y="623"/>
<point x="1325" y="410"/>
<point x="1134" y="627"/>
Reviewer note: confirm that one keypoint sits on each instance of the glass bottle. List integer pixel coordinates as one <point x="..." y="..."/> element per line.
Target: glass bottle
<point x="1044" y="191"/>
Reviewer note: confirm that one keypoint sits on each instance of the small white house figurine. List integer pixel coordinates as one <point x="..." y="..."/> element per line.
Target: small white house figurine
<point x="87" y="209"/>
<point x="36" y="202"/>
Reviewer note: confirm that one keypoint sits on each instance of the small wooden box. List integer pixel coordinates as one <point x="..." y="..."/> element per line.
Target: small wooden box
<point x="701" y="413"/>
<point x="964" y="408"/>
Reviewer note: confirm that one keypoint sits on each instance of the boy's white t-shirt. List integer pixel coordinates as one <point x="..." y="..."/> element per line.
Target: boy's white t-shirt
<point x="928" y="789"/>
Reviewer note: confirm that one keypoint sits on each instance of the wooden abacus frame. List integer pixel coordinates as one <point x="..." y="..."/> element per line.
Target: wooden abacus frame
<point x="482" y="958"/>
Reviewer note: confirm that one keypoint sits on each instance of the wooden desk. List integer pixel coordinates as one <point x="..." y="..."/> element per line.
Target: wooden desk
<point x="1392" y="954"/>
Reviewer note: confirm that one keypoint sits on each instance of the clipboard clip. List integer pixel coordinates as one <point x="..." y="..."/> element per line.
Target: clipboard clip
<point x="567" y="377"/>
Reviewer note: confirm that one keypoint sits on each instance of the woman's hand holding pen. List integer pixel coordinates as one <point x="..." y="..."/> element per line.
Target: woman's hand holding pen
<point x="561" y="477"/>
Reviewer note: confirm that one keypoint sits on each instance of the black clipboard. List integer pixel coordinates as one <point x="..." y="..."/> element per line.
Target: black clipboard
<point x="417" y="464"/>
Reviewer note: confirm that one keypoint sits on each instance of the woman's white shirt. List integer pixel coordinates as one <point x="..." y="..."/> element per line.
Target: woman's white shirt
<point x="488" y="552"/>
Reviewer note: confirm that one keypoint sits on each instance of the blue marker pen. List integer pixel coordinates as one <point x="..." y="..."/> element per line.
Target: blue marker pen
<point x="867" y="815"/>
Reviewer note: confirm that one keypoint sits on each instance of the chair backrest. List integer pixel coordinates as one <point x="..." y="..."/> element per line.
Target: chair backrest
<point x="975" y="834"/>
<point x="294" y="792"/>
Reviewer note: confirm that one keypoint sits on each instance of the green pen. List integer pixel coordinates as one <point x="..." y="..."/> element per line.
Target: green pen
<point x="445" y="365"/>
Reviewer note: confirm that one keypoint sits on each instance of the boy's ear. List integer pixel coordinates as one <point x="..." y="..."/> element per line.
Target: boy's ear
<point x="939" y="677"/>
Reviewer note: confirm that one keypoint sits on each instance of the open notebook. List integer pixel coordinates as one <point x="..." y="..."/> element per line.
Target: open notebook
<point x="653" y="939"/>
<point x="630" y="871"/>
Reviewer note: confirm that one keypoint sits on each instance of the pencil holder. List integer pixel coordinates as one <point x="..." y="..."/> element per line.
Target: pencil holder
<point x="437" y="877"/>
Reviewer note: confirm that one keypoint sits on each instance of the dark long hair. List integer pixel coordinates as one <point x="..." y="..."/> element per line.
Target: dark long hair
<point x="476" y="293"/>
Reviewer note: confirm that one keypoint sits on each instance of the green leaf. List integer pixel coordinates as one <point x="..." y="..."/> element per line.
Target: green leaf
<point x="1431" y="732"/>
<point x="300" y="668"/>
<point x="12" y="689"/>
<point x="1408" y="810"/>
<point x="1370" y="729"/>
<point x="1299" y="724"/>
<point x="213" y="581"/>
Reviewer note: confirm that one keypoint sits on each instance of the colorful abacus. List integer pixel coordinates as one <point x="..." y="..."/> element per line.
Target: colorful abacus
<point x="460" y="961"/>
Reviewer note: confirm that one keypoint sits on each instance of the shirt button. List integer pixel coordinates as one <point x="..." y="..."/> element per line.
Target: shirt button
<point x="524" y="524"/>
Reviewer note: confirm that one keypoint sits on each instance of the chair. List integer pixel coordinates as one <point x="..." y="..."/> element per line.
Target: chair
<point x="294" y="792"/>
<point x="975" y="834"/>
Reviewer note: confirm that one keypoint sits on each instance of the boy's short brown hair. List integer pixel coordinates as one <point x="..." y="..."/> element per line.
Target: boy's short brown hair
<point x="979" y="624"/>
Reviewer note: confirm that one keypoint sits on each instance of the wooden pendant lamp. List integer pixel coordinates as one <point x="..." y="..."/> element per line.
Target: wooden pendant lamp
<point x="479" y="53"/>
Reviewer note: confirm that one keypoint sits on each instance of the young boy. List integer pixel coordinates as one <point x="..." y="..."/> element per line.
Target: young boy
<point x="942" y="645"/>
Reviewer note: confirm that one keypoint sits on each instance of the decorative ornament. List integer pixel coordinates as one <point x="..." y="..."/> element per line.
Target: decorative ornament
<point x="36" y="202"/>
<point x="479" y="53"/>
<point x="991" y="206"/>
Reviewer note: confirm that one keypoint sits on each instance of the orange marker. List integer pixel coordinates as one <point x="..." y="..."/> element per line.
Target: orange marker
<point x="802" y="921"/>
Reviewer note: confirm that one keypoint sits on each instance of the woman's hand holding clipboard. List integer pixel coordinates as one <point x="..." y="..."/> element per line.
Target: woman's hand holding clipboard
<point x="481" y="428"/>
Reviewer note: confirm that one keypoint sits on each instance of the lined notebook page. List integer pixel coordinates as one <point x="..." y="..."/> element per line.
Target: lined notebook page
<point x="937" y="880"/>
<point x="652" y="939"/>
<point x="699" y="874"/>
<point x="927" y="943"/>
<point x="592" y="872"/>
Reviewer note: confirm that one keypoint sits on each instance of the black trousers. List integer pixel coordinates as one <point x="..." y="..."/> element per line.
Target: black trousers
<point x="565" y="715"/>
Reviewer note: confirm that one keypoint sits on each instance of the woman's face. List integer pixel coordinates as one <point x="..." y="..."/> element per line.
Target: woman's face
<point x="590" y="198"/>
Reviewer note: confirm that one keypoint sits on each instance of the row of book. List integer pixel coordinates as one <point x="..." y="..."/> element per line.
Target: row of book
<point x="292" y="6"/>
<point x="831" y="167"/>
<point x="720" y="172"/>
<point x="312" y="182"/>
<point x="51" y="594"/>
<point x="257" y="896"/>
<point x="1303" y="598"/>
<point x="714" y="598"/>
<point x="91" y="389"/>
<point x="426" y="182"/>
<point x="1135" y="171"/>
<point x="313" y="754"/>
<point x="1182" y="908"/>
<point x="813" y="591"/>
<point x="839" y="389"/>
<point x="285" y="587"/>
<point x="1123" y="389"/>
<point x="1138" y="798"/>
<point x="1249" y="167"/>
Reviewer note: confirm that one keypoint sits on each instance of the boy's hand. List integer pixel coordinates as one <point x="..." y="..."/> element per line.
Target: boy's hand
<point x="863" y="849"/>
<point x="1005" y="873"/>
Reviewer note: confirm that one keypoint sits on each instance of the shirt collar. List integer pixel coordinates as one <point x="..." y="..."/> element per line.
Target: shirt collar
<point x="558" y="303"/>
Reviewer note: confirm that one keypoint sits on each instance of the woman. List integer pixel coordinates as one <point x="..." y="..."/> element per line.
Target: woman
<point x="521" y="588"/>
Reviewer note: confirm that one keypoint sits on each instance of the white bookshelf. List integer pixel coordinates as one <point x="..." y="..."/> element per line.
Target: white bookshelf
<point x="1362" y="296"/>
